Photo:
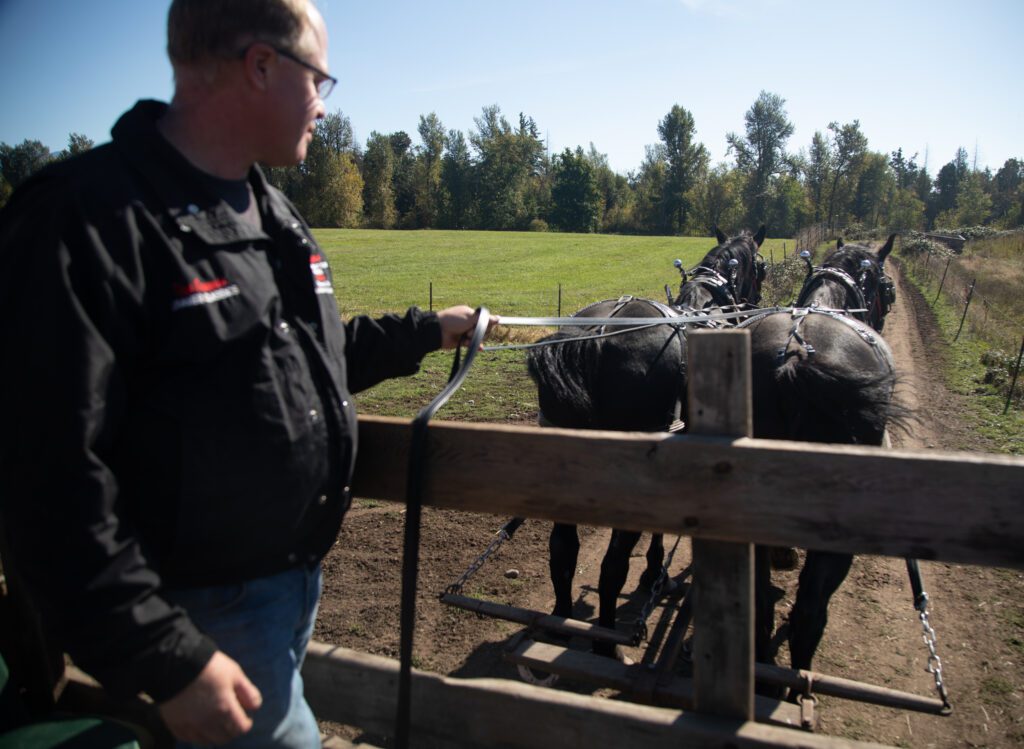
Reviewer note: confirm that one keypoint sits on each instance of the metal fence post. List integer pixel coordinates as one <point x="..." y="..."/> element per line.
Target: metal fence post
<point x="967" y="306"/>
<point x="559" y="300"/>
<point x="943" y="281"/>
<point x="431" y="307"/>
<point x="1016" y="372"/>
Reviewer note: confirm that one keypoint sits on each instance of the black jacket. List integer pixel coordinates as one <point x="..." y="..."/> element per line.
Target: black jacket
<point x="175" y="393"/>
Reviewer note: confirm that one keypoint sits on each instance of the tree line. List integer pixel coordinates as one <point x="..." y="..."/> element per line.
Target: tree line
<point x="500" y="176"/>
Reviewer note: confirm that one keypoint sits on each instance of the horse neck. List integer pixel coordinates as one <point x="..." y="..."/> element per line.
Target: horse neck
<point x="827" y="293"/>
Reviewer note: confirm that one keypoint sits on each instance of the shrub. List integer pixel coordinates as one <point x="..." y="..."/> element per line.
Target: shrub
<point x="538" y="224"/>
<point x="915" y="244"/>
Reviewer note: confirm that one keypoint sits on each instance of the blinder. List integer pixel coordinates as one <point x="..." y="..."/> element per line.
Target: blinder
<point x="760" y="267"/>
<point x="886" y="293"/>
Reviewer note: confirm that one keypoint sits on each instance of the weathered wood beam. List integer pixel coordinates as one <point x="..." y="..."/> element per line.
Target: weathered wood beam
<point x="954" y="507"/>
<point x="609" y="672"/>
<point x="359" y="689"/>
<point x="720" y="405"/>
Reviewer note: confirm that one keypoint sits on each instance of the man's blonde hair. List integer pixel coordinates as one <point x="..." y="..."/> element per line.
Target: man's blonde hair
<point x="202" y="31"/>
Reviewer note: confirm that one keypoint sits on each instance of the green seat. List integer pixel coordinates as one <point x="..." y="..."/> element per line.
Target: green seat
<point x="62" y="732"/>
<point x="70" y="733"/>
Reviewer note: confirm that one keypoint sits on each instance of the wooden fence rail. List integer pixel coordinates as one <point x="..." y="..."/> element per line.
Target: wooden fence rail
<point x="954" y="507"/>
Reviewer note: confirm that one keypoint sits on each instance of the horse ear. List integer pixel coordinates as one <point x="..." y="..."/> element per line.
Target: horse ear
<point x="761" y="234"/>
<point x="839" y="243"/>
<point x="722" y="239"/>
<point x="886" y="249"/>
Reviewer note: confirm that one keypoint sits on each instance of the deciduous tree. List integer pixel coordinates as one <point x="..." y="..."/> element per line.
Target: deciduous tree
<point x="761" y="153"/>
<point x="18" y="163"/>
<point x="849" y="146"/>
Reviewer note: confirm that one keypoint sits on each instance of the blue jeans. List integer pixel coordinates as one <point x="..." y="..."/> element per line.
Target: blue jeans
<point x="265" y="625"/>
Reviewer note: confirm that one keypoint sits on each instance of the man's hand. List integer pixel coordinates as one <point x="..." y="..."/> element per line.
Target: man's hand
<point x="457" y="322"/>
<point x="214" y="708"/>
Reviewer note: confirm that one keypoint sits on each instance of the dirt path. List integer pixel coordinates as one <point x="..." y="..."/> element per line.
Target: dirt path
<point x="874" y="634"/>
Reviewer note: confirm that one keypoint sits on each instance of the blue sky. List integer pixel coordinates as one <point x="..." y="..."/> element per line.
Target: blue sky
<point x="918" y="75"/>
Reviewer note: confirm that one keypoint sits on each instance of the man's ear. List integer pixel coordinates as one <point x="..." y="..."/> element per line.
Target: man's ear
<point x="257" y="64"/>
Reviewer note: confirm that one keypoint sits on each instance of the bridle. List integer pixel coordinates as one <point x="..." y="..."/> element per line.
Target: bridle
<point x="871" y="301"/>
<point x="723" y="290"/>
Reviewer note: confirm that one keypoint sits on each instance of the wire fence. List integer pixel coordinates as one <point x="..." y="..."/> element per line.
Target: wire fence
<point x="984" y="314"/>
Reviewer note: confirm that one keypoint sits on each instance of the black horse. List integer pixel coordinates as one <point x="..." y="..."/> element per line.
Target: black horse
<point x="605" y="377"/>
<point x="822" y="373"/>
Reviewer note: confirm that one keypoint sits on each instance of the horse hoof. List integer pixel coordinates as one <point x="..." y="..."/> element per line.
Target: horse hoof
<point x="621" y="657"/>
<point x="784" y="558"/>
<point x="668" y="587"/>
<point x="608" y="650"/>
<point x="536" y="677"/>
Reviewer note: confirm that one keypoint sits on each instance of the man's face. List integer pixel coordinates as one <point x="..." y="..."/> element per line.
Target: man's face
<point x="296" y="104"/>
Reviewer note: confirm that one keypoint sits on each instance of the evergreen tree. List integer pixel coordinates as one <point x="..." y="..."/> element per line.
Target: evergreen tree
<point x="378" y="177"/>
<point x="686" y="161"/>
<point x="1006" y="192"/>
<point x="456" y="183"/>
<point x="576" y="202"/>
<point x="972" y="202"/>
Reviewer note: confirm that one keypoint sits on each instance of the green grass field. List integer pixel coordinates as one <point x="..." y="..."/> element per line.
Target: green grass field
<point x="511" y="273"/>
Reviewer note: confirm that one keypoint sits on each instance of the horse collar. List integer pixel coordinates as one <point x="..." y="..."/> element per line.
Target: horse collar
<point x="848" y="282"/>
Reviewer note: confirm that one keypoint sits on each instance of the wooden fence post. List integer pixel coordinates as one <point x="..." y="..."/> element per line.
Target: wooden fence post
<point x="723" y="653"/>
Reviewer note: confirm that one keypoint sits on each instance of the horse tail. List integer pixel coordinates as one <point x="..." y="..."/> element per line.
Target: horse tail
<point x="564" y="373"/>
<point x="822" y="403"/>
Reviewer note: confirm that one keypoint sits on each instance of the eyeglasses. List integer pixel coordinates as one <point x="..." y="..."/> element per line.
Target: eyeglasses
<point x="324" y="81"/>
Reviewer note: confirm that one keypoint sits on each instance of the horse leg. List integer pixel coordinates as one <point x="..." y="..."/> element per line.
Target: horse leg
<point x="563" y="550"/>
<point x="764" y="605"/>
<point x="821" y="576"/>
<point x="655" y="560"/>
<point x="614" y="570"/>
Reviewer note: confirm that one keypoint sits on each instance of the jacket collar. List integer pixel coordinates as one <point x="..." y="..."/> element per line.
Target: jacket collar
<point x="181" y="188"/>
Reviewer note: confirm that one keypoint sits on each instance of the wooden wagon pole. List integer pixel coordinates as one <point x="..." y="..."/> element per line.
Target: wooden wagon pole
<point x="723" y="571"/>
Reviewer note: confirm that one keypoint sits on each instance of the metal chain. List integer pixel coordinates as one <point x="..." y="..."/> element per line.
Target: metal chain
<point x="640" y="627"/>
<point x="503" y="535"/>
<point x="934" y="662"/>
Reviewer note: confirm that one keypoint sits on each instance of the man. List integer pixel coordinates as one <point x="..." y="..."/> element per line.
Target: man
<point x="179" y="433"/>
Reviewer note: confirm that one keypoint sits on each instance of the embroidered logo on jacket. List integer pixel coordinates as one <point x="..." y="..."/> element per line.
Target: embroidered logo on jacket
<point x="198" y="292"/>
<point x="321" y="280"/>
